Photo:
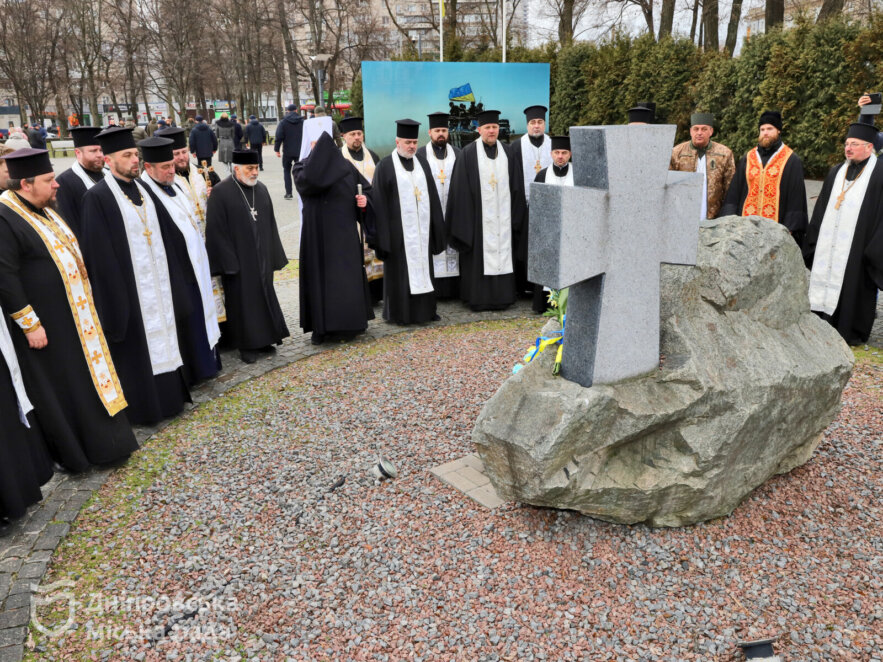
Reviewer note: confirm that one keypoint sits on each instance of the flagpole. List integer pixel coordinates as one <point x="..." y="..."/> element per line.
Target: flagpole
<point x="504" y="30"/>
<point x="441" y="30"/>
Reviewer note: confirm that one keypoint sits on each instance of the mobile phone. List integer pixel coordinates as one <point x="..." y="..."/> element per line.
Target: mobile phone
<point x="875" y="106"/>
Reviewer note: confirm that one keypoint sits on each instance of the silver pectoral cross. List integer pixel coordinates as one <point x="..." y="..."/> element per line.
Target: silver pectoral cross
<point x="254" y="213"/>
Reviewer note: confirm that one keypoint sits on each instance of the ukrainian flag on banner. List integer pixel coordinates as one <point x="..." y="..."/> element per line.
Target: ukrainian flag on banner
<point x="462" y="93"/>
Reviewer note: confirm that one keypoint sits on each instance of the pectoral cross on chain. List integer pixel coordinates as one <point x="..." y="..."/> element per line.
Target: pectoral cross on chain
<point x="840" y="199"/>
<point x="441" y="176"/>
<point x="148" y="234"/>
<point x="417" y="194"/>
<point x="493" y="181"/>
<point x="254" y="213"/>
<point x="538" y="167"/>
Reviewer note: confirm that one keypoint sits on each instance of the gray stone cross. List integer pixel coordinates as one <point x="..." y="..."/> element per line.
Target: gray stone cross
<point x="605" y="238"/>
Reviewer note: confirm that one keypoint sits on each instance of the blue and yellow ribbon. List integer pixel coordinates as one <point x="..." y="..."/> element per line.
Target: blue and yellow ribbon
<point x="541" y="345"/>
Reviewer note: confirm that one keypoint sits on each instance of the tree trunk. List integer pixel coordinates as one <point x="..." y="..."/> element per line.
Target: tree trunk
<point x="774" y="15"/>
<point x="565" y="23"/>
<point x="695" y="20"/>
<point x="710" y="21"/>
<point x="647" y="8"/>
<point x="666" y="18"/>
<point x="830" y="9"/>
<point x="733" y="27"/>
<point x="290" y="52"/>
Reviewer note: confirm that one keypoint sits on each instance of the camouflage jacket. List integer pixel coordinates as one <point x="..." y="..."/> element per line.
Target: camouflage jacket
<point x="719" y="170"/>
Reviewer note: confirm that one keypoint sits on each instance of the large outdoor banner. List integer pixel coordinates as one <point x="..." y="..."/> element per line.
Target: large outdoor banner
<point x="399" y="90"/>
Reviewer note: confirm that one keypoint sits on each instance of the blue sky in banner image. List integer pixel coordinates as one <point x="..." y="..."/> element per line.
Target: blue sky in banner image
<point x="397" y="90"/>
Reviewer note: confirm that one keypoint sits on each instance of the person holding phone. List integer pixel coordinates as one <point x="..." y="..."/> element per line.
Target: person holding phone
<point x="870" y="105"/>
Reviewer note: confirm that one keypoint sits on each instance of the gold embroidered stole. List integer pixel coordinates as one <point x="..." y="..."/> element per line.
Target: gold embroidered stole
<point x="65" y="251"/>
<point x="764" y="183"/>
<point x="366" y="166"/>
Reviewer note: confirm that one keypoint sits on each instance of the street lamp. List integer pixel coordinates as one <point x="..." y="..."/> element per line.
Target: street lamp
<point x="318" y="64"/>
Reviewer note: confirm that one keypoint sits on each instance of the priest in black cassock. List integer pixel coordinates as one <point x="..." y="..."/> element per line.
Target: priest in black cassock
<point x="334" y="297"/>
<point x="354" y="150"/>
<point x="485" y="212"/>
<point x="25" y="464"/>
<point x="527" y="156"/>
<point x="245" y="249"/>
<point x="771" y="166"/>
<point x="44" y="288"/>
<point x="558" y="174"/>
<point x="441" y="157"/>
<point x="408" y="228"/>
<point x="140" y="290"/>
<point x="81" y="176"/>
<point x="844" y="242"/>
<point x="199" y="332"/>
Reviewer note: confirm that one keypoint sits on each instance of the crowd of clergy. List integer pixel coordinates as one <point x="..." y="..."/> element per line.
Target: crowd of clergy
<point x="122" y="277"/>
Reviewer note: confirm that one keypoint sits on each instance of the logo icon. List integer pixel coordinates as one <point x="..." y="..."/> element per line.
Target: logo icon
<point x="49" y="595"/>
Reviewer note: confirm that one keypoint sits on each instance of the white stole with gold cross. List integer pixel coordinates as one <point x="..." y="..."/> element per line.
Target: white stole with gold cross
<point x="65" y="252"/>
<point x="183" y="214"/>
<point x="835" y="240"/>
<point x="413" y="193"/>
<point x="151" y="270"/>
<point x="534" y="159"/>
<point x="447" y="263"/>
<point x="496" y="211"/>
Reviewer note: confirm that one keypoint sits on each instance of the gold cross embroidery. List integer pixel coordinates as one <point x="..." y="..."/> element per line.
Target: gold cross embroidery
<point x="493" y="181"/>
<point x="538" y="167"/>
<point x="96" y="357"/>
<point x="441" y="176"/>
<point x="417" y="194"/>
<point x="81" y="303"/>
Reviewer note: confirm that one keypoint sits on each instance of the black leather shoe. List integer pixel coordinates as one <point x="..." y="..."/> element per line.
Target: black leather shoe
<point x="248" y="356"/>
<point x="288" y="196"/>
<point x="317" y="339"/>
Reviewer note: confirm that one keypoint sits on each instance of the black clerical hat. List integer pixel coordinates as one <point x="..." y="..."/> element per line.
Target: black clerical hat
<point x="773" y="117"/>
<point x="177" y="135"/>
<point x="862" y="131"/>
<point x="438" y="120"/>
<point x="245" y="157"/>
<point x="641" y="114"/>
<point x="535" y="113"/>
<point x="488" y="117"/>
<point x="649" y="105"/>
<point x="561" y="142"/>
<point x="348" y="124"/>
<point x="28" y="162"/>
<point x="84" y="136"/>
<point x="157" y="149"/>
<point x="116" y="139"/>
<point x="407" y="129"/>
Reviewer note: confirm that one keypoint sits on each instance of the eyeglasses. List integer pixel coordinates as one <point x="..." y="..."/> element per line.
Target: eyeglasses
<point x="854" y="144"/>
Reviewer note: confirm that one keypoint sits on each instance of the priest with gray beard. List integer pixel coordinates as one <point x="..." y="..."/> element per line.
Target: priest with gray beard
<point x="244" y="248"/>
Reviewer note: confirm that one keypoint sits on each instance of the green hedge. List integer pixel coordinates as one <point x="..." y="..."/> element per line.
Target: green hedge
<point x="813" y="73"/>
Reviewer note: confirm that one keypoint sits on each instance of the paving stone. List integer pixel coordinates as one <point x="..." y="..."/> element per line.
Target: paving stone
<point x="12" y="653"/>
<point x="13" y="636"/>
<point x="20" y="600"/>
<point x="10" y="564"/>
<point x="486" y="495"/>
<point x="32" y="570"/>
<point x="10" y="618"/>
<point x="22" y="586"/>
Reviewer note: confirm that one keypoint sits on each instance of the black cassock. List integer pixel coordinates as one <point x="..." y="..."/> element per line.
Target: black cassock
<point x="69" y="197"/>
<point x="516" y="171"/>
<point x="792" y="195"/>
<point x="105" y="246"/>
<point x="246" y="252"/>
<point x="399" y="305"/>
<point x="854" y="316"/>
<point x="25" y="464"/>
<point x="334" y="296"/>
<point x="77" y="428"/>
<point x="200" y="360"/>
<point x="466" y="236"/>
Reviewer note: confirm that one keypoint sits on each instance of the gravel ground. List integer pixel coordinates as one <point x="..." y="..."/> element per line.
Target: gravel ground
<point x="257" y="515"/>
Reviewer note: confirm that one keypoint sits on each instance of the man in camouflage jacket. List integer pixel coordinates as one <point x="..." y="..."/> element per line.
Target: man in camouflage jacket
<point x="701" y="154"/>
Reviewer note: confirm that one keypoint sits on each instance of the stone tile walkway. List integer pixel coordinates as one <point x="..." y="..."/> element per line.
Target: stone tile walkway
<point x="467" y="475"/>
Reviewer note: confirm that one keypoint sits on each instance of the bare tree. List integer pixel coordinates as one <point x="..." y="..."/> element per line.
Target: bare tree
<point x="733" y="26"/>
<point x="567" y="15"/>
<point x="666" y="18"/>
<point x="774" y="14"/>
<point x="830" y="9"/>
<point x="710" y="25"/>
